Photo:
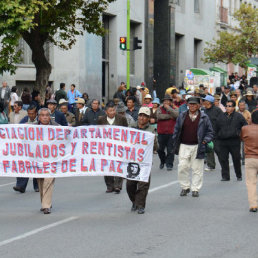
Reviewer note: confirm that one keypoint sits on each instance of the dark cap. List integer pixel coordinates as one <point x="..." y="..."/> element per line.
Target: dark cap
<point x="193" y="100"/>
<point x="51" y="101"/>
<point x="167" y="97"/>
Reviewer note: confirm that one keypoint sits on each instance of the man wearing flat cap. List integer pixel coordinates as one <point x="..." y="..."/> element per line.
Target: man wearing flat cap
<point x="166" y="120"/>
<point x="193" y="130"/>
<point x="56" y="115"/>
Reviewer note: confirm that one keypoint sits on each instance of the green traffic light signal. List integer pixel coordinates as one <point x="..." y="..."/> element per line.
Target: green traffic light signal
<point x="123" y="43"/>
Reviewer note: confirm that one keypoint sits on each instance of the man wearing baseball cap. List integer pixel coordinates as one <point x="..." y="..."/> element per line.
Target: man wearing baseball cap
<point x="212" y="112"/>
<point x="137" y="190"/>
<point x="193" y="130"/>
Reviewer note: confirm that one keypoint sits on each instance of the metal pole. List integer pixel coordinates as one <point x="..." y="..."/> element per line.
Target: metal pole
<point x="128" y="44"/>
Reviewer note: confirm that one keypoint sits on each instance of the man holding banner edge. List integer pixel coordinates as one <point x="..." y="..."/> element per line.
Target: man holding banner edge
<point x="137" y="191"/>
<point x="46" y="185"/>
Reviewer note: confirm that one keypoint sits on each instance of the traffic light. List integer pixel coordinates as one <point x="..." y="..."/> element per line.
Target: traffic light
<point x="136" y="43"/>
<point x="123" y="43"/>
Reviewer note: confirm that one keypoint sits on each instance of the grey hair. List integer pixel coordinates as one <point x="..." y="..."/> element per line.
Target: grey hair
<point x="44" y="109"/>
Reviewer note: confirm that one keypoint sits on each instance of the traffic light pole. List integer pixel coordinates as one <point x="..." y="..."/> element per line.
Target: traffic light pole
<point x="128" y="44"/>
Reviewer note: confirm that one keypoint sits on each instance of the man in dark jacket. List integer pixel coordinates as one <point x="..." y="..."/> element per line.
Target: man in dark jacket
<point x="166" y="120"/>
<point x="61" y="94"/>
<point x="111" y="118"/>
<point x="56" y="115"/>
<point x="225" y="95"/>
<point x="192" y="132"/>
<point x="21" y="182"/>
<point x="227" y="130"/>
<point x="212" y="112"/>
<point x="92" y="114"/>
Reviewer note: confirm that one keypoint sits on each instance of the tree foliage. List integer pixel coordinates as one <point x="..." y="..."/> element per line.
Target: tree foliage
<point x="39" y="21"/>
<point x="239" y="46"/>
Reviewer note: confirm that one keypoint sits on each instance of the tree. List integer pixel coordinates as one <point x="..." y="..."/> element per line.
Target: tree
<point x="39" y="21"/>
<point x="239" y="46"/>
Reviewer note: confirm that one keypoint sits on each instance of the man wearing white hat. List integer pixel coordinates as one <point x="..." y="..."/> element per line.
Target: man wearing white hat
<point x="80" y="110"/>
<point x="137" y="190"/>
<point x="147" y="101"/>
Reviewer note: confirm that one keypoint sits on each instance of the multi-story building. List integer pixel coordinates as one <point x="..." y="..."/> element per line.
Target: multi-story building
<point x="194" y="25"/>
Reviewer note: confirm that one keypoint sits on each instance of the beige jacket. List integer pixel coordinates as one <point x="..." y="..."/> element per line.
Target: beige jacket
<point x="21" y="115"/>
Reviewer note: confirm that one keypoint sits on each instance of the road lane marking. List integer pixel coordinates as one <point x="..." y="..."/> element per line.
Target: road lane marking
<point x="8" y="184"/>
<point x="162" y="186"/>
<point x="37" y="230"/>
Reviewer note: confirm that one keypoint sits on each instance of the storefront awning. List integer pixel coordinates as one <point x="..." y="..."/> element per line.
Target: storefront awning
<point x="198" y="71"/>
<point x="251" y="65"/>
<point x="218" y="69"/>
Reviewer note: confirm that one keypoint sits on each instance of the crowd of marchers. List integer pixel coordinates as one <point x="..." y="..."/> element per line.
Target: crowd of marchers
<point x="195" y="125"/>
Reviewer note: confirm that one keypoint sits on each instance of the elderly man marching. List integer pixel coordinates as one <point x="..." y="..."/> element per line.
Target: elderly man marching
<point x="192" y="132"/>
<point x="46" y="185"/>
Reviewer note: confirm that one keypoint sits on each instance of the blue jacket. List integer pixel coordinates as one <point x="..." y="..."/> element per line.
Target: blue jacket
<point x="59" y="118"/>
<point x="204" y="133"/>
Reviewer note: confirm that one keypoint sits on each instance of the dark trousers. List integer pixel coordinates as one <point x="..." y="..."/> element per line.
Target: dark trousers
<point x="23" y="181"/>
<point x="113" y="182"/>
<point x="232" y="147"/>
<point x="210" y="157"/>
<point x="165" y="141"/>
<point x="211" y="160"/>
<point x="137" y="192"/>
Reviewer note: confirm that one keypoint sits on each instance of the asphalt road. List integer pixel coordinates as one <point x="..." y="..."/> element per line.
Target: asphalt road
<point x="87" y="222"/>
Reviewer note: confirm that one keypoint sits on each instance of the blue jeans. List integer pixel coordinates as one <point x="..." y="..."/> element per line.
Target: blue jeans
<point x="23" y="181"/>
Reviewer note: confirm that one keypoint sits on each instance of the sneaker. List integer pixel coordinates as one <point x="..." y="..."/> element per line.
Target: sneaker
<point x="208" y="169"/>
<point x="184" y="192"/>
<point x="169" y="168"/>
<point x="117" y="190"/>
<point x="253" y="209"/>
<point x="141" y="211"/>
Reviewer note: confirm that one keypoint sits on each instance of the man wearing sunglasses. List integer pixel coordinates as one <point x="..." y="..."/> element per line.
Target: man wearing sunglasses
<point x="227" y="130"/>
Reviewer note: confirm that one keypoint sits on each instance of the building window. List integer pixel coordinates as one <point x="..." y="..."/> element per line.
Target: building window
<point x="196" y="6"/>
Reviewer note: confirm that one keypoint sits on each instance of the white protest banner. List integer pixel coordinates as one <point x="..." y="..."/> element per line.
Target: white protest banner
<point x="54" y="151"/>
